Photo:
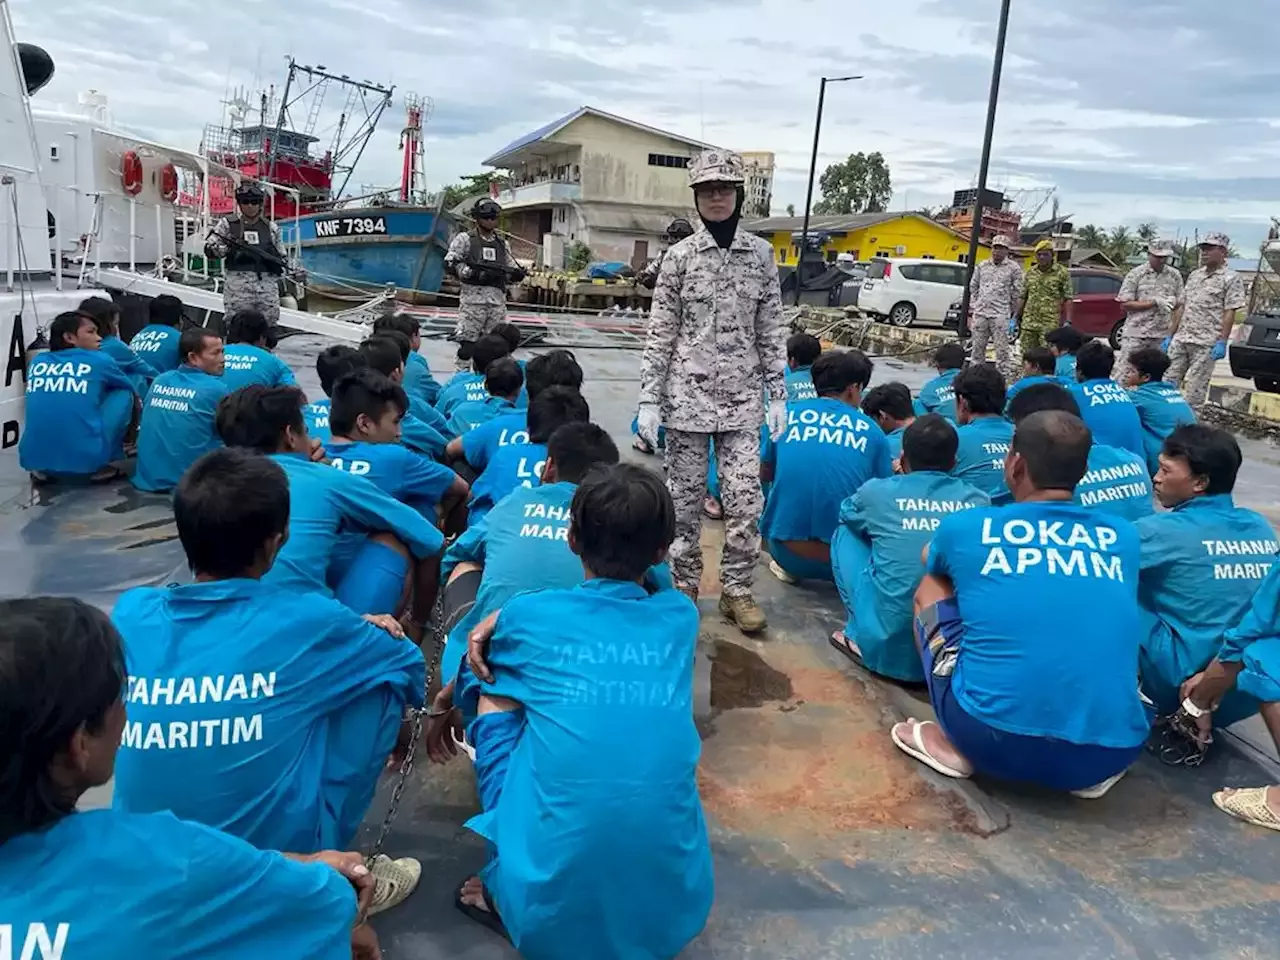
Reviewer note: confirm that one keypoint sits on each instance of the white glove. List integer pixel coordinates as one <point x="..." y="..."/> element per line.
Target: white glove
<point x="648" y="420"/>
<point x="1166" y="304"/>
<point x="776" y="418"/>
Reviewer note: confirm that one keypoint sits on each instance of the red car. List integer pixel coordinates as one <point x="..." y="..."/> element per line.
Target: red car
<point x="1094" y="310"/>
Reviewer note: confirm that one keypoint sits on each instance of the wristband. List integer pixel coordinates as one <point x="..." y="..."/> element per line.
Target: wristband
<point x="1190" y="709"/>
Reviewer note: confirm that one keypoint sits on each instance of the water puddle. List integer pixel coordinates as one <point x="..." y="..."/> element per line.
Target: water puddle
<point x="731" y="677"/>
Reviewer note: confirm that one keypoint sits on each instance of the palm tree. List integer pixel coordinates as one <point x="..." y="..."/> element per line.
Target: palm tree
<point x="1119" y="244"/>
<point x="1091" y="236"/>
<point x="1147" y="232"/>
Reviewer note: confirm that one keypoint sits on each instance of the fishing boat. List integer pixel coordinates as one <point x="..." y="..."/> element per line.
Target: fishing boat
<point x="350" y="247"/>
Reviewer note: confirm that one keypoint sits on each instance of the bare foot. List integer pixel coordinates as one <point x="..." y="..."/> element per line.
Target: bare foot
<point x="473" y="894"/>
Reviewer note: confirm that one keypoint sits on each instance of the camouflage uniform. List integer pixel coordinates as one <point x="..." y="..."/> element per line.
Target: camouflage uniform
<point x="247" y="289"/>
<point x="480" y="307"/>
<point x="1146" y="328"/>
<point x="647" y="276"/>
<point x="1046" y="292"/>
<point x="994" y="294"/>
<point x="1208" y="295"/>
<point x="715" y="339"/>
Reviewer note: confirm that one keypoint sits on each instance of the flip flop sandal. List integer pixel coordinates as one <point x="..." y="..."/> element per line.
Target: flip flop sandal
<point x="641" y="444"/>
<point x="107" y="475"/>
<point x="486" y="918"/>
<point x="1249" y="805"/>
<point x="713" y="508"/>
<point x="916" y="750"/>
<point x="847" y="647"/>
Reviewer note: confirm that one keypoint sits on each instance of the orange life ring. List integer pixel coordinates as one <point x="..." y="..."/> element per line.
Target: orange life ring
<point x="131" y="173"/>
<point x="169" y="182"/>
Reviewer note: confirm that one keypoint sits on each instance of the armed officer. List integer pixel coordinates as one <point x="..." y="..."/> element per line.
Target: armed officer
<point x="484" y="266"/>
<point x="677" y="230"/>
<point x="253" y="260"/>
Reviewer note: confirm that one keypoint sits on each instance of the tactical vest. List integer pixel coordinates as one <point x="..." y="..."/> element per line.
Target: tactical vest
<point x="487" y="253"/>
<point x="239" y="258"/>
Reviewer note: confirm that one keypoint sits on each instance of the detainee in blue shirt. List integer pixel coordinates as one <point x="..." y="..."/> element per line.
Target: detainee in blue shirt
<point x="365" y="421"/>
<point x="891" y="407"/>
<point x="106" y="314"/>
<point x="471" y="453"/>
<point x="400" y="552"/>
<point x="1038" y="366"/>
<point x="178" y="889"/>
<point x="332" y="364"/>
<point x="1020" y="690"/>
<point x="418" y="383"/>
<point x="877" y="548"/>
<point x="938" y="394"/>
<point x="385" y="353"/>
<point x="1065" y="343"/>
<point x="802" y="350"/>
<point x="829" y="449"/>
<point x="249" y="359"/>
<point x="588" y="797"/>
<point x="983" y="431"/>
<point x="262" y="711"/>
<point x="520" y="545"/>
<point x="503" y="381"/>
<point x="521" y="464"/>
<point x="157" y="342"/>
<point x="177" y="424"/>
<point x="1105" y="405"/>
<point x="469" y="385"/>
<point x="79" y="406"/>
<point x="418" y="409"/>
<point x="1202" y="562"/>
<point x="1161" y="406"/>
<point x="1116" y="482"/>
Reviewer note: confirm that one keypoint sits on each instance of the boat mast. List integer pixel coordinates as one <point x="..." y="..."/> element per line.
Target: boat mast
<point x="411" y="148"/>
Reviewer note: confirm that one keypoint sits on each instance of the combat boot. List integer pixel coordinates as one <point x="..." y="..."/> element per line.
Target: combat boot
<point x="743" y="611"/>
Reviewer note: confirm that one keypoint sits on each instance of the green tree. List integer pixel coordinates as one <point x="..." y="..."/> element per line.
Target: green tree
<point x="1147" y="232"/>
<point x="1120" y="244"/>
<point x="577" y="256"/>
<point x="859" y="185"/>
<point x="1091" y="236"/>
<point x="470" y="185"/>
<point x="791" y="209"/>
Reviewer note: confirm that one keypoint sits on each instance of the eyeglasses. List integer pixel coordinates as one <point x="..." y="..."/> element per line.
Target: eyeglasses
<point x="716" y="190"/>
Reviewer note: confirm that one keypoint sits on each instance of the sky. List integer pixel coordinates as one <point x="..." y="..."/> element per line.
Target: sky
<point x="1142" y="110"/>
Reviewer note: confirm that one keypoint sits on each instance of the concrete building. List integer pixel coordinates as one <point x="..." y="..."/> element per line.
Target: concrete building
<point x="759" y="187"/>
<point x="594" y="178"/>
<point x="867" y="235"/>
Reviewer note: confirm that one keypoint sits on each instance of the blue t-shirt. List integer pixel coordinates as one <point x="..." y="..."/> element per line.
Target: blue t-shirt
<point x="1202" y="561"/>
<point x="65" y="431"/>
<point x="177" y="426"/>
<point x="938" y="396"/>
<point x="1025" y="575"/>
<point x="984" y="443"/>
<point x="157" y="344"/>
<point x="1116" y="483"/>
<point x="479" y="445"/>
<point x="177" y="890"/>
<point x="430" y="416"/>
<point x="604" y="772"/>
<point x="418" y="436"/>
<point x="418" y="381"/>
<point x="462" y="388"/>
<point x="827" y="452"/>
<point x="233" y="687"/>
<point x="396" y="470"/>
<point x="895" y="442"/>
<point x="515" y="465"/>
<point x="247" y="364"/>
<point x="1031" y="381"/>
<point x="1109" y="413"/>
<point x="799" y="384"/>
<point x="1161" y="410"/>
<point x="470" y="414"/>
<point x="139" y="372"/>
<point x="316" y="416"/>
<point x="325" y="503"/>
<point x="1065" y="367"/>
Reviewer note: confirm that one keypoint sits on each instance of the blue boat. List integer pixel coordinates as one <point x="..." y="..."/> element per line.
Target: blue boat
<point x="358" y="250"/>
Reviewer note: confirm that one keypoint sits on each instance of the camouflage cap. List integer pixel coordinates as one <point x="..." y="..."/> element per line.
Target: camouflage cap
<point x="1216" y="240"/>
<point x="1000" y="240"/>
<point x="717" y="166"/>
<point x="1160" y="247"/>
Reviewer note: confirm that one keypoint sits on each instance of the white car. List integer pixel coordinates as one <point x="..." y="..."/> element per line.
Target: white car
<point x="904" y="290"/>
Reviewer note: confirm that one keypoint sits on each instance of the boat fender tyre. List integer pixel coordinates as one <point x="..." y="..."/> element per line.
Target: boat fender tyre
<point x="131" y="173"/>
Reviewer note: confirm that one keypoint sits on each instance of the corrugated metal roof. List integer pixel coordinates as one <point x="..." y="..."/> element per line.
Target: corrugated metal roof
<point x="555" y="125"/>
<point x="625" y="218"/>
<point x="834" y="223"/>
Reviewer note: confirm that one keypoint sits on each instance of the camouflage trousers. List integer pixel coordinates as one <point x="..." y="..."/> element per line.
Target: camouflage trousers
<point x="1129" y="345"/>
<point x="245" y="290"/>
<point x="985" y="330"/>
<point x="480" y="309"/>
<point x="738" y="464"/>
<point x="1032" y="335"/>
<point x="1190" y="369"/>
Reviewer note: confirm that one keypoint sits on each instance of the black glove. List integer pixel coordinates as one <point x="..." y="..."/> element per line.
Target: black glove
<point x="518" y="273"/>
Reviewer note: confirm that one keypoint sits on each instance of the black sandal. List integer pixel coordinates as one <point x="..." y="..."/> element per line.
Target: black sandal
<point x="486" y="918"/>
<point x="845" y="646"/>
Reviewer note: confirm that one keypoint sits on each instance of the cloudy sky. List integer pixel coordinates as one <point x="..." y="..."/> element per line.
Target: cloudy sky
<point x="1157" y="110"/>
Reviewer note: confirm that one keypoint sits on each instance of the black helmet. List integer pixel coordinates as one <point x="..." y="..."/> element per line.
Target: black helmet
<point x="678" y="229"/>
<point x="486" y="209"/>
<point x="249" y="193"/>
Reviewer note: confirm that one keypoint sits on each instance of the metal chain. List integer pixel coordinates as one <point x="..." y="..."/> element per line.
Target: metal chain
<point x="406" y="765"/>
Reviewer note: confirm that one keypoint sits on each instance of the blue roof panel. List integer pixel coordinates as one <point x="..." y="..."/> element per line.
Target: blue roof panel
<point x="536" y="135"/>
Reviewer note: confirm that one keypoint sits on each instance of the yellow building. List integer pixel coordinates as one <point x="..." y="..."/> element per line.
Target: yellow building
<point x="867" y="235"/>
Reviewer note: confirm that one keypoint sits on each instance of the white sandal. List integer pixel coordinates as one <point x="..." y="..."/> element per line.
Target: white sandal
<point x="1248" y="804"/>
<point x="1099" y="790"/>
<point x="394" y="881"/>
<point x="916" y="749"/>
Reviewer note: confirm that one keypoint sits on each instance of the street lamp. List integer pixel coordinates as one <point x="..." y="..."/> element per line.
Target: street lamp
<point x="813" y="170"/>
<point x="975" y="228"/>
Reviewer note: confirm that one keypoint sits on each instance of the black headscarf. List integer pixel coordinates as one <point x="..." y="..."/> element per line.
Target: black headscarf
<point x="724" y="231"/>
